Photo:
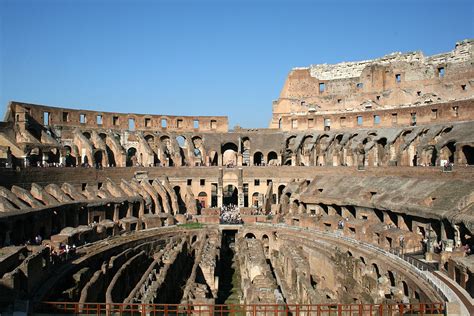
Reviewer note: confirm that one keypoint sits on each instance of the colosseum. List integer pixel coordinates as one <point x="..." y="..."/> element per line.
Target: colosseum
<point x="358" y="199"/>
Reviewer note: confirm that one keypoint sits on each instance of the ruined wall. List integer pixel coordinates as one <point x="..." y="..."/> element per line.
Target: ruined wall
<point x="343" y="91"/>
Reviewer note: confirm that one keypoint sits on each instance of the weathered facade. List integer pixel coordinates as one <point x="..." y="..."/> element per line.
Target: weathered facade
<point x="362" y="160"/>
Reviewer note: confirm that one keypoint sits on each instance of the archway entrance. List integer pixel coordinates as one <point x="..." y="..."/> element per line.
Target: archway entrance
<point x="469" y="154"/>
<point x="230" y="195"/>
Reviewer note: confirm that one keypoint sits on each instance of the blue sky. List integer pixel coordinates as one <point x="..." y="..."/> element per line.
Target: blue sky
<point x="201" y="57"/>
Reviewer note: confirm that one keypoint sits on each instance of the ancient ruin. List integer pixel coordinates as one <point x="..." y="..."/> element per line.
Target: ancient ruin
<point x="358" y="198"/>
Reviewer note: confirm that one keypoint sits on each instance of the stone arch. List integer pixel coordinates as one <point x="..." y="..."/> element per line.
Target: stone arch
<point x="230" y="195"/>
<point x="70" y="159"/>
<point x="272" y="158"/>
<point x="213" y="158"/>
<point x="98" y="158"/>
<point x="250" y="236"/>
<point x="255" y="199"/>
<point x="245" y="151"/>
<point x="376" y="270"/>
<point x="182" y="141"/>
<point x="180" y="200"/>
<point x="202" y="198"/>
<point x="229" y="154"/>
<point x="468" y="152"/>
<point x="131" y="157"/>
<point x="258" y="158"/>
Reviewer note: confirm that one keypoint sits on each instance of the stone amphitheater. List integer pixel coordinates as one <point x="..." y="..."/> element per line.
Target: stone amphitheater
<point x="356" y="200"/>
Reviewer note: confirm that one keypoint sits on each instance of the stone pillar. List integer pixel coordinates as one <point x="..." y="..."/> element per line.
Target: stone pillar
<point x="293" y="159"/>
<point x="220" y="188"/>
<point x="116" y="212"/>
<point x="44" y="158"/>
<point x="240" y="187"/>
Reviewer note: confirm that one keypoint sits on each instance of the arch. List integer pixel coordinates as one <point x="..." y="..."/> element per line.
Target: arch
<point x="202" y="199"/>
<point x="229" y="154"/>
<point x="131" y="157"/>
<point x="468" y="152"/>
<point x="103" y="136"/>
<point x="230" y="195"/>
<point x="35" y="157"/>
<point x="150" y="138"/>
<point x="245" y="148"/>
<point x="213" y="161"/>
<point x="70" y="160"/>
<point x="87" y="135"/>
<point x="376" y="270"/>
<point x="255" y="199"/>
<point x="182" y="142"/>
<point x="406" y="290"/>
<point x="98" y="156"/>
<point x="250" y="236"/>
<point x="258" y="158"/>
<point x="181" y="203"/>
<point x="272" y="158"/>
<point x="452" y="149"/>
<point x="391" y="277"/>
<point x="281" y="188"/>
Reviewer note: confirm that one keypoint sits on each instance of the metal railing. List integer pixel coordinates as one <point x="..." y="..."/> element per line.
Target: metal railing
<point x="75" y="308"/>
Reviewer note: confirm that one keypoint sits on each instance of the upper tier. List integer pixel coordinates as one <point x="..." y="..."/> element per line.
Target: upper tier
<point x="394" y="81"/>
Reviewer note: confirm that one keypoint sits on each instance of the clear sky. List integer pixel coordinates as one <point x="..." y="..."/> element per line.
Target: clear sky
<point x="202" y="57"/>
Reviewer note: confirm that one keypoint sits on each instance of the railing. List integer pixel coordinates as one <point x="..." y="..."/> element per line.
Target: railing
<point x="75" y="308"/>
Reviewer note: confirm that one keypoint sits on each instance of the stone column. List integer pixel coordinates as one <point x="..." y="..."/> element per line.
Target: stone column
<point x="116" y="212"/>
<point x="240" y="187"/>
<point x="220" y="189"/>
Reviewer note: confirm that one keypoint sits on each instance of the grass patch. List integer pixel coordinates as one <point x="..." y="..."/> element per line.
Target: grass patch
<point x="191" y="225"/>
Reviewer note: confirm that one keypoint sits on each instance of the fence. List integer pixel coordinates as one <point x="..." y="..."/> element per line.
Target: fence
<point x="51" y="308"/>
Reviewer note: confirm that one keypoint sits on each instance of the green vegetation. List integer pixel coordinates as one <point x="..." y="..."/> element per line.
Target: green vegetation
<point x="191" y="225"/>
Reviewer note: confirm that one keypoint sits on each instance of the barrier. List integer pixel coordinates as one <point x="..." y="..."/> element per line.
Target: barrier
<point x="74" y="308"/>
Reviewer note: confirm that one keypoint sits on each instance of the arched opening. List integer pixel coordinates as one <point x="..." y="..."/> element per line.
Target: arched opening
<point x="181" y="141"/>
<point x="214" y="195"/>
<point x="213" y="161"/>
<point x="391" y="277"/>
<point x="257" y="158"/>
<point x="406" y="291"/>
<point x="281" y="187"/>
<point x="375" y="269"/>
<point x="70" y="160"/>
<point x="266" y="244"/>
<point x="150" y="139"/>
<point x="245" y="151"/>
<point x="452" y="150"/>
<point x="181" y="203"/>
<point x="131" y="157"/>
<point x="229" y="154"/>
<point x="255" y="199"/>
<point x="87" y="135"/>
<point x="468" y="152"/>
<point x="272" y="158"/>
<point x="230" y="195"/>
<point x="34" y="158"/>
<point x="98" y="158"/>
<point x="250" y="236"/>
<point x="202" y="198"/>
<point x="111" y="156"/>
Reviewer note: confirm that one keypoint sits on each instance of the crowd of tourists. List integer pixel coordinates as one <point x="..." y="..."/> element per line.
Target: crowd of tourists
<point x="230" y="214"/>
